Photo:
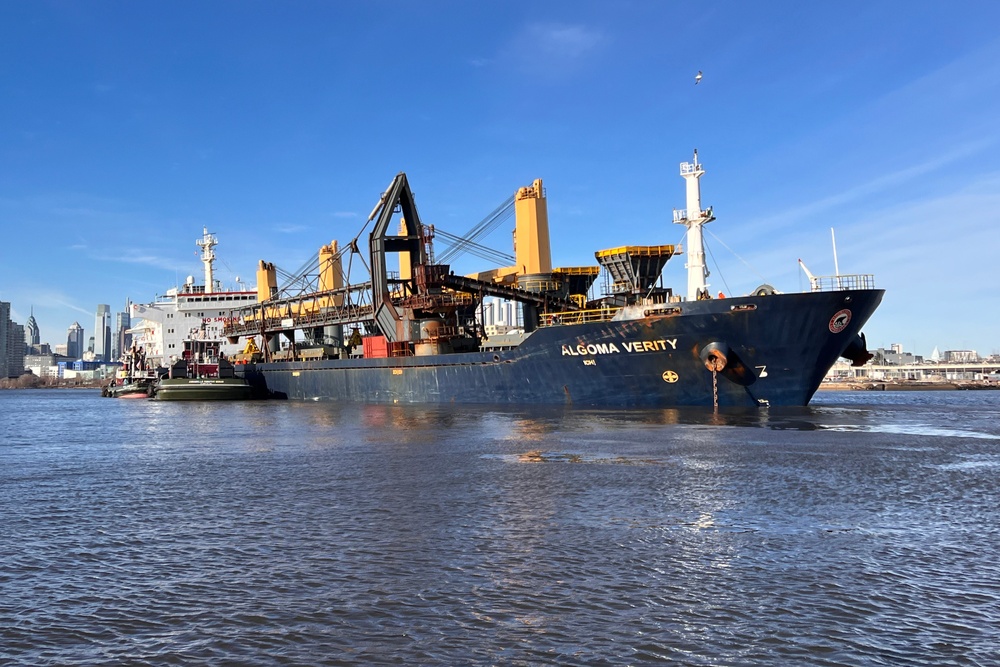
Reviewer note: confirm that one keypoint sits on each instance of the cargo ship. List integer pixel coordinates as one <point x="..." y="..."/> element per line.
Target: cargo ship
<point x="418" y="335"/>
<point x="161" y="327"/>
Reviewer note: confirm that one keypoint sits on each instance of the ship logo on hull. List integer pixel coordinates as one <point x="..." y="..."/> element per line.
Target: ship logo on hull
<point x="670" y="377"/>
<point x="840" y="321"/>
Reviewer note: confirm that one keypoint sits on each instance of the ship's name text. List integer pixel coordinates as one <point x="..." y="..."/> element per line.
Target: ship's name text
<point x="614" y="348"/>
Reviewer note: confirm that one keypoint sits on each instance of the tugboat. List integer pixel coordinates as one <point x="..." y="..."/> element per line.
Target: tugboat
<point x="203" y="373"/>
<point x="134" y="379"/>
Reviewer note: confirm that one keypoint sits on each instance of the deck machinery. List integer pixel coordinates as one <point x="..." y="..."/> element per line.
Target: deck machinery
<point x="635" y="270"/>
<point x="424" y="308"/>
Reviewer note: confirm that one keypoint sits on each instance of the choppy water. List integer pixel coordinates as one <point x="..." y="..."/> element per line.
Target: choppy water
<point x="860" y="531"/>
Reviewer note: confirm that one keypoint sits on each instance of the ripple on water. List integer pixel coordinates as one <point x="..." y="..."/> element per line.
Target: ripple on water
<point x="327" y="534"/>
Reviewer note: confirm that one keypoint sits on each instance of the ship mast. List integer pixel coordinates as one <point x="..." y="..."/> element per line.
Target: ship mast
<point x="207" y="243"/>
<point x="693" y="218"/>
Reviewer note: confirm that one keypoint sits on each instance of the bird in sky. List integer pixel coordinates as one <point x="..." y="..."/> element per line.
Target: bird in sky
<point x="697" y="78"/>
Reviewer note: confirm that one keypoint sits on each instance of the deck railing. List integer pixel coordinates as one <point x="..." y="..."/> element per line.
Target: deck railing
<point x="577" y="317"/>
<point x="843" y="282"/>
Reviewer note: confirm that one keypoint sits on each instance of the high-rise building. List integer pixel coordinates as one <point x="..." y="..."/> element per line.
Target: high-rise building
<point x="498" y="316"/>
<point x="4" y="328"/>
<point x="102" y="333"/>
<point x="122" y="339"/>
<point x="11" y="344"/>
<point x="15" y="350"/>
<point x="75" y="341"/>
<point x="32" y="338"/>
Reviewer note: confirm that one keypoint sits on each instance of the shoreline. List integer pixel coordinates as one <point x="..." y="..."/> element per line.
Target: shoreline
<point x="906" y="386"/>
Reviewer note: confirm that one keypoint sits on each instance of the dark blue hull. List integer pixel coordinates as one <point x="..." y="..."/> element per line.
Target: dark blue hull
<point x="776" y="351"/>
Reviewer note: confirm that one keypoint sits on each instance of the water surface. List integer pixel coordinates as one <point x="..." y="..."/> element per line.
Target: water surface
<point x="859" y="531"/>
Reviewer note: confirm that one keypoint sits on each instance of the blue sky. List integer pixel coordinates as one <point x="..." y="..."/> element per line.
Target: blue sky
<point x="126" y="127"/>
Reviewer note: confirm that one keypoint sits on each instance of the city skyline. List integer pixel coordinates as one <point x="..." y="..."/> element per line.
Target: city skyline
<point x="279" y="130"/>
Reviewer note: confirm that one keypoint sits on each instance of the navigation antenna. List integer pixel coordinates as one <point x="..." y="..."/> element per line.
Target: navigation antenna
<point x="693" y="218"/>
<point x="207" y="243"/>
<point x="836" y="266"/>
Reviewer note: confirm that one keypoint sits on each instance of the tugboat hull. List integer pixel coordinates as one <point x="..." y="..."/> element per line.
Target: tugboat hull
<point x="202" y="389"/>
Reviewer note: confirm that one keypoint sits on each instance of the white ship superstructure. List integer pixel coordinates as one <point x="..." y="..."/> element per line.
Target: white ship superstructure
<point x="188" y="312"/>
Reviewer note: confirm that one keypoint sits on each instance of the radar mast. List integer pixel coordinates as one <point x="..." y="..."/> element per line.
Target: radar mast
<point x="693" y="218"/>
<point x="207" y="243"/>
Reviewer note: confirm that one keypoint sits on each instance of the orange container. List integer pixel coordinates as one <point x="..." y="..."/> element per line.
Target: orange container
<point x="375" y="347"/>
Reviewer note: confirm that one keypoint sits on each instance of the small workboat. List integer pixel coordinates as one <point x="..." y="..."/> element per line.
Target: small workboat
<point x="134" y="379"/>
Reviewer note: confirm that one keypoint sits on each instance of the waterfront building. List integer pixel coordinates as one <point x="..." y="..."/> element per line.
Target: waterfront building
<point x="102" y="333"/>
<point x="15" y="350"/>
<point x="4" y="328"/>
<point x="977" y="371"/>
<point x="498" y="316"/>
<point x="42" y="365"/>
<point x="11" y="344"/>
<point x="122" y="339"/>
<point x="960" y="356"/>
<point x="895" y="356"/>
<point x="75" y="341"/>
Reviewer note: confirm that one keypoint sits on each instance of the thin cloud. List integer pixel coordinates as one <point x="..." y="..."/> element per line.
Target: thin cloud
<point x="565" y="41"/>
<point x="149" y="260"/>
<point x="133" y="256"/>
<point x="71" y="306"/>
<point x="889" y="241"/>
<point x="554" y="49"/>
<point x="79" y="212"/>
<point x="45" y="298"/>
<point x="874" y="186"/>
<point x="290" y="229"/>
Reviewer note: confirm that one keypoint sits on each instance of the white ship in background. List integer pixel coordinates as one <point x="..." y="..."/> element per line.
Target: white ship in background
<point x="188" y="312"/>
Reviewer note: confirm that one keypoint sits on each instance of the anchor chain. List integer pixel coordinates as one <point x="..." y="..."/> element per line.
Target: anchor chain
<point x="715" y="390"/>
